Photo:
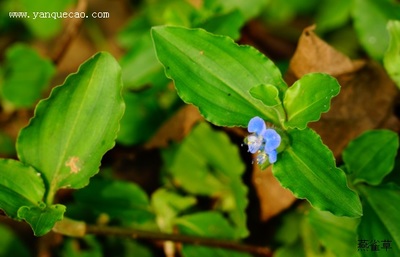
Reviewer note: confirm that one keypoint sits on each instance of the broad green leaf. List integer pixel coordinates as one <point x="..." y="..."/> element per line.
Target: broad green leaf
<point x="370" y="19"/>
<point x="295" y="249"/>
<point x="207" y="224"/>
<point x="215" y="74"/>
<point x="20" y="185"/>
<point x="200" y="166"/>
<point x="307" y="168"/>
<point x="167" y="205"/>
<point x="11" y="245"/>
<point x="42" y="218"/>
<point x="370" y="157"/>
<point x="44" y="19"/>
<point x="382" y="219"/>
<point x="75" y="126"/>
<point x="120" y="200"/>
<point x="26" y="76"/>
<point x="371" y="232"/>
<point x="308" y="97"/>
<point x="391" y="59"/>
<point x="336" y="233"/>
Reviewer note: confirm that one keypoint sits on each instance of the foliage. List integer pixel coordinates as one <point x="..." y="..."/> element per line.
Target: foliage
<point x="176" y="176"/>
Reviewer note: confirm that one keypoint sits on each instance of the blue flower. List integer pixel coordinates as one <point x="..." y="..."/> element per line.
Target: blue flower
<point x="262" y="140"/>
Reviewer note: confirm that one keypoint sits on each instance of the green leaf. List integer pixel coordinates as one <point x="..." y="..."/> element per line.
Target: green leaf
<point x="20" y="185"/>
<point x="382" y="217"/>
<point x="249" y="9"/>
<point x="207" y="224"/>
<point x="143" y="115"/>
<point x="200" y="166"/>
<point x="118" y="199"/>
<point x="307" y="168"/>
<point x="139" y="65"/>
<point x="41" y="15"/>
<point x="336" y="233"/>
<point x="42" y="219"/>
<point x="75" y="126"/>
<point x="391" y="59"/>
<point x="27" y="75"/>
<point x="227" y="24"/>
<point x="308" y="97"/>
<point x="168" y="205"/>
<point x="333" y="14"/>
<point x="11" y="245"/>
<point x="371" y="156"/>
<point x="215" y="74"/>
<point x="267" y="94"/>
<point x="370" y="19"/>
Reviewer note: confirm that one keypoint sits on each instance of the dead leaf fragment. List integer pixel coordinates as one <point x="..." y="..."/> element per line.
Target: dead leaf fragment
<point x="176" y="128"/>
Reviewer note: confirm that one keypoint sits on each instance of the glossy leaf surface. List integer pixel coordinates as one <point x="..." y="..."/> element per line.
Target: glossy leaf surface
<point x="21" y="185"/>
<point x="307" y="168"/>
<point x="371" y="156"/>
<point x="215" y="74"/>
<point x="75" y="126"/>
<point x="308" y="97"/>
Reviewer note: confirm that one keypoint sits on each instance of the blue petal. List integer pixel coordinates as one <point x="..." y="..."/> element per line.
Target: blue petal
<point x="272" y="156"/>
<point x="272" y="139"/>
<point x="256" y="125"/>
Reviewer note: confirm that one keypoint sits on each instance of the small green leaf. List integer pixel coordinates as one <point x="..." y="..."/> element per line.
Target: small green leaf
<point x="307" y="168"/>
<point x="93" y="247"/>
<point x="336" y="233"/>
<point x="370" y="19"/>
<point x="200" y="166"/>
<point x="42" y="219"/>
<point x="215" y="74"/>
<point x="308" y="97"/>
<point x="168" y="205"/>
<point x="118" y="199"/>
<point x="75" y="126"/>
<point x="27" y="75"/>
<point x="391" y="59"/>
<point x="370" y="157"/>
<point x="20" y="185"/>
<point x="11" y="245"/>
<point x="382" y="218"/>
<point x="207" y="224"/>
<point x="268" y="94"/>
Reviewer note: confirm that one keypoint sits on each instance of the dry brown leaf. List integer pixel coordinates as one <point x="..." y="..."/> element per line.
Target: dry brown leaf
<point x="176" y="128"/>
<point x="272" y="196"/>
<point x="366" y="98"/>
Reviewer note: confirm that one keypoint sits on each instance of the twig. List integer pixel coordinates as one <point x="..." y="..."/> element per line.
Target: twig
<point x="70" y="33"/>
<point x="201" y="241"/>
